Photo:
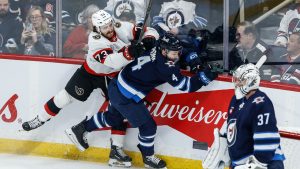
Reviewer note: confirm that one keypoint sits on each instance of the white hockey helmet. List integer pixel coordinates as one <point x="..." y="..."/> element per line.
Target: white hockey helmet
<point x="101" y="18"/>
<point x="245" y="78"/>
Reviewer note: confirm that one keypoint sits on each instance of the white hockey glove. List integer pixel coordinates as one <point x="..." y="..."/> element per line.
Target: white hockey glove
<point x="252" y="163"/>
<point x="281" y="41"/>
<point x="217" y="156"/>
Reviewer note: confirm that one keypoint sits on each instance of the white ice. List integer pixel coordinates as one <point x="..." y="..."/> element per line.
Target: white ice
<point x="12" y="161"/>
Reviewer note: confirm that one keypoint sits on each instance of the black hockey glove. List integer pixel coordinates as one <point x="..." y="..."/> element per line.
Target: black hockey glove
<point x="149" y="42"/>
<point x="194" y="61"/>
<point x="210" y="73"/>
<point x="133" y="51"/>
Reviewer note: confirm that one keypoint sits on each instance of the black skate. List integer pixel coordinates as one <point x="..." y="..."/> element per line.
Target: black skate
<point x="118" y="158"/>
<point x="154" y="162"/>
<point x="77" y="134"/>
<point x="32" y="124"/>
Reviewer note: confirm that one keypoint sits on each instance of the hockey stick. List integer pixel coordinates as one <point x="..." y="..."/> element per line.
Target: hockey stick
<point x="261" y="61"/>
<point x="145" y="21"/>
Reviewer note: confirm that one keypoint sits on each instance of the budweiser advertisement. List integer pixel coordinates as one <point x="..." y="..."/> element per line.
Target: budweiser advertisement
<point x="183" y="118"/>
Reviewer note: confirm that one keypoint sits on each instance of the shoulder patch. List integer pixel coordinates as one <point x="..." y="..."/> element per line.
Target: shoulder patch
<point x="97" y="37"/>
<point x="258" y="100"/>
<point x="118" y="24"/>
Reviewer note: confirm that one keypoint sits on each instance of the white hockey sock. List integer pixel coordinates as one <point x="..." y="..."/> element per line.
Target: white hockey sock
<point x="44" y="116"/>
<point x="118" y="140"/>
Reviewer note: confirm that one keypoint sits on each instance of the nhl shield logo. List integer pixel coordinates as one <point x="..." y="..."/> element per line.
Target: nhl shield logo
<point x="231" y="132"/>
<point x="79" y="91"/>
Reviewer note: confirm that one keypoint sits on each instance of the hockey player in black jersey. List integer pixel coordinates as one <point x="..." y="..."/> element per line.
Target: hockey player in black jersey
<point x="127" y="91"/>
<point x="253" y="140"/>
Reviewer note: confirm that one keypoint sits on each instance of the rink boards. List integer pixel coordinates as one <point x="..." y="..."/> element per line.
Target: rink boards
<point x="186" y="121"/>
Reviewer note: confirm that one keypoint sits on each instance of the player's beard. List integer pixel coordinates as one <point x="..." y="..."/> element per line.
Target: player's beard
<point x="109" y="34"/>
<point x="3" y="13"/>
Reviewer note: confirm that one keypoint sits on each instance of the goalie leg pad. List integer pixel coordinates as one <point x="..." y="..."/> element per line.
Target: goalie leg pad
<point x="217" y="156"/>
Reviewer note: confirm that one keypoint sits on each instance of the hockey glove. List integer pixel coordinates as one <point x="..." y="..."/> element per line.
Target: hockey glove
<point x="133" y="51"/>
<point x="149" y="42"/>
<point x="207" y="75"/>
<point x="216" y="68"/>
<point x="194" y="61"/>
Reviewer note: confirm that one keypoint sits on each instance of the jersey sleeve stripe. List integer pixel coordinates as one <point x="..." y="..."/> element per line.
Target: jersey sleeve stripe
<point x="269" y="135"/>
<point x="181" y="84"/>
<point x="184" y="85"/>
<point x="188" y="84"/>
<point x="265" y="147"/>
<point x="129" y="91"/>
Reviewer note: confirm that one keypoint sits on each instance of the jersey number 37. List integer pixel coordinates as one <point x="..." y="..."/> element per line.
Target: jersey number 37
<point x="263" y="119"/>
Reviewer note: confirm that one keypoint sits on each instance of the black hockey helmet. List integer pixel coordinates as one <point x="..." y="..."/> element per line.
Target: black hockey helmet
<point x="170" y="42"/>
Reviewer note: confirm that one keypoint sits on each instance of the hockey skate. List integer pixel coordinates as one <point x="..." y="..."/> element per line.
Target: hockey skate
<point x="154" y="162"/>
<point x="32" y="124"/>
<point x="118" y="158"/>
<point x="77" y="134"/>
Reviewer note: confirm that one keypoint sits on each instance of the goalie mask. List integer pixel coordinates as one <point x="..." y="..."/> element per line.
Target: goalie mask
<point x="245" y="79"/>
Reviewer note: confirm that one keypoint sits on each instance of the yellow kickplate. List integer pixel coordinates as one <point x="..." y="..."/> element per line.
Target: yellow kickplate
<point x="69" y="151"/>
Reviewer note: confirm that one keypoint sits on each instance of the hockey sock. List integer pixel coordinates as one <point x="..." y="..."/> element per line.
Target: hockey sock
<point x="146" y="137"/>
<point x="51" y="108"/>
<point x="96" y="122"/>
<point x="118" y="134"/>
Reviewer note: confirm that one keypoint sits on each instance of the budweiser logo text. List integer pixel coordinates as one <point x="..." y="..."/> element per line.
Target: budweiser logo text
<point x="12" y="110"/>
<point x="191" y="113"/>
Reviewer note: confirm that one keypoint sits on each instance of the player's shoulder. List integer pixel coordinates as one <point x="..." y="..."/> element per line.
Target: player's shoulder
<point x="260" y="98"/>
<point x="97" y="41"/>
<point x="123" y="25"/>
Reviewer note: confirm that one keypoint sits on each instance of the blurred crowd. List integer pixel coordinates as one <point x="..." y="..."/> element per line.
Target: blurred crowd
<point x="29" y="27"/>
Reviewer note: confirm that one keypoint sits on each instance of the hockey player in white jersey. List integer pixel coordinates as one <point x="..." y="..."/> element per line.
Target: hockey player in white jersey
<point x="253" y="140"/>
<point x="110" y="49"/>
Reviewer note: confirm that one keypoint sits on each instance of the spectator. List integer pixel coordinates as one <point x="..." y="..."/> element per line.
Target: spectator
<point x="289" y="73"/>
<point x="67" y="25"/>
<point x="288" y="24"/>
<point x="37" y="38"/>
<point x="76" y="44"/>
<point x="9" y="38"/>
<point x="249" y="48"/>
